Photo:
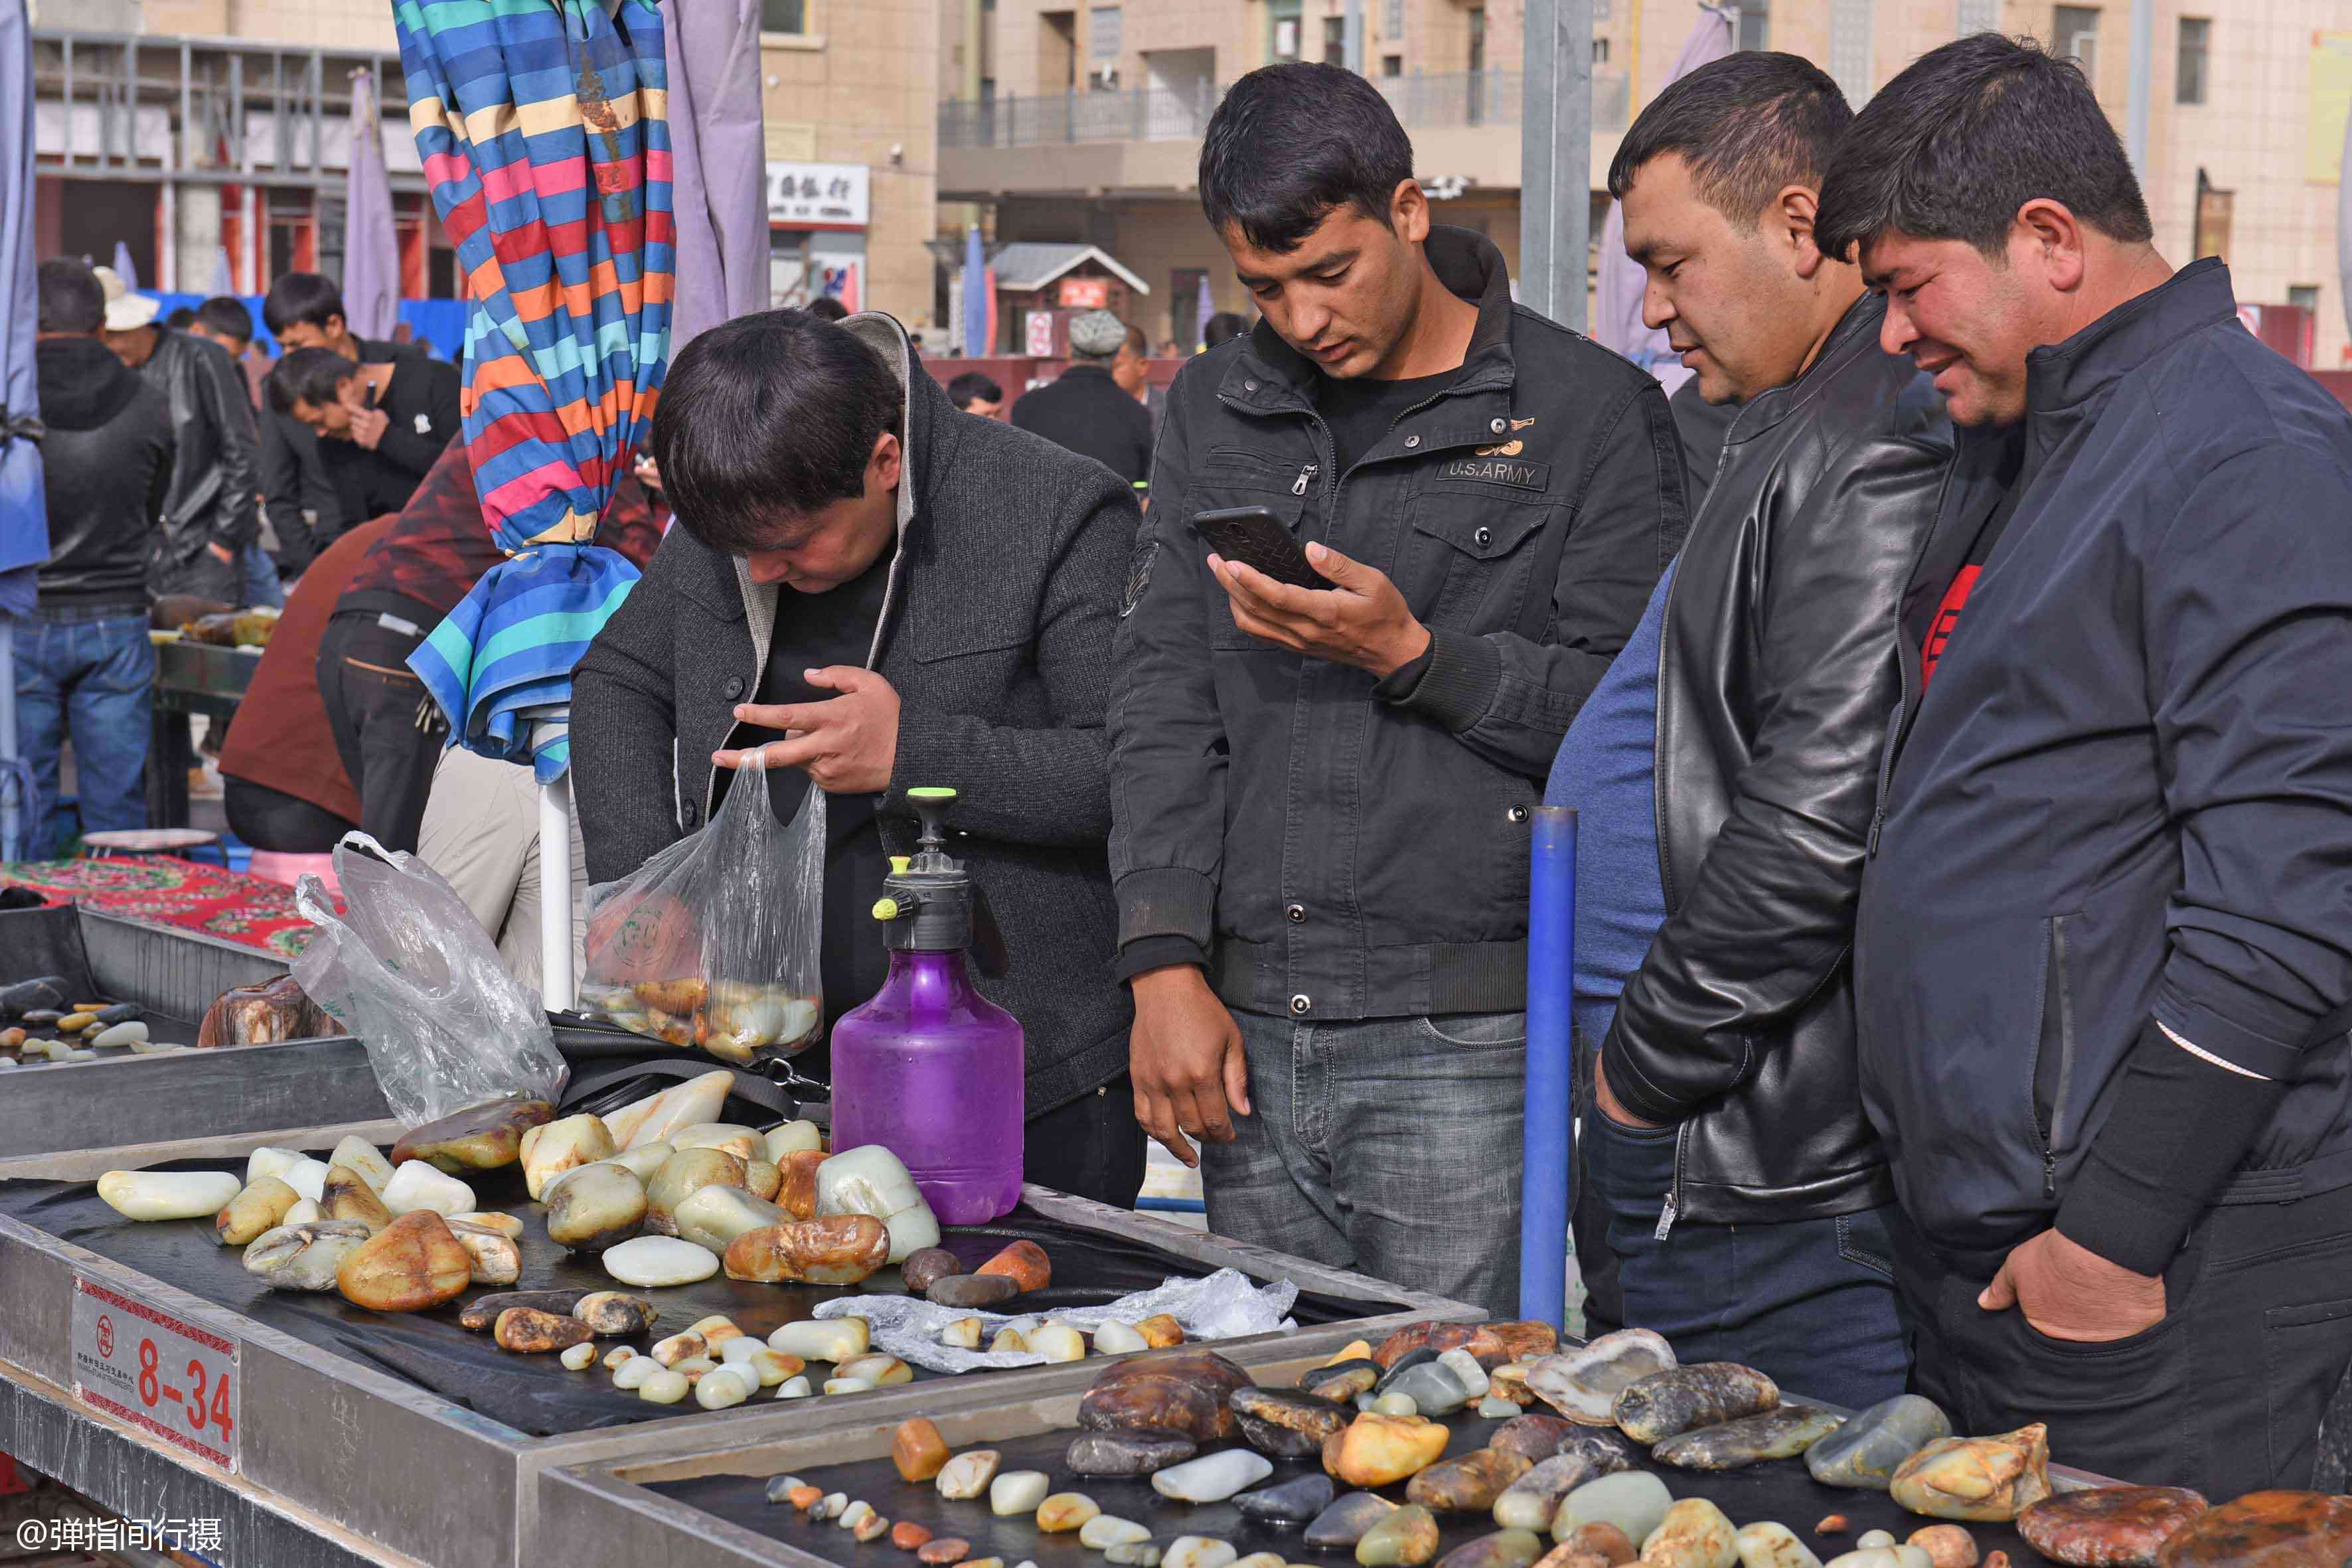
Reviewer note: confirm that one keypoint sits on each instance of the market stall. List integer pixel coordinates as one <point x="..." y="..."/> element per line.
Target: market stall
<point x="191" y="677"/>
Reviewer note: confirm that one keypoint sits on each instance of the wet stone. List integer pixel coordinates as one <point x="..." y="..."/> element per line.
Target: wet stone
<point x="1865" y="1452"/>
<point x="1772" y="1545"/>
<point x="1431" y="1386"/>
<point x="1404" y="1539"/>
<point x="1504" y="1549"/>
<point x="1634" y="1502"/>
<point x="1105" y="1530"/>
<point x="1682" y="1398"/>
<point x="1345" y="1522"/>
<point x="2115" y="1527"/>
<point x="1403" y="1363"/>
<point x="1342" y="1381"/>
<point x="1180" y="1392"/>
<point x="1467" y="1485"/>
<point x="1292" y="1502"/>
<point x="1583" y="1385"/>
<point x="1977" y="1478"/>
<point x="1126" y="1453"/>
<point x="1534" y="1438"/>
<point x="1694" y="1533"/>
<point x="946" y="1549"/>
<point x="1284" y="1422"/>
<point x="2266" y="1529"/>
<point x="1605" y="1543"/>
<point x="1779" y="1433"/>
<point x="1214" y="1476"/>
<point x="1529" y="1503"/>
<point x="1198" y="1551"/>
<point x="1381" y="1451"/>
<point x="964" y="1291"/>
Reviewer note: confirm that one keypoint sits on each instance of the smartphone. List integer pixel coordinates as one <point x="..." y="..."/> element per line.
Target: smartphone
<point x="1254" y="536"/>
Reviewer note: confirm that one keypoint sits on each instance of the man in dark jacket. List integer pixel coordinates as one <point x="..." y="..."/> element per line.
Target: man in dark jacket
<point x="954" y="584"/>
<point x="1086" y="408"/>
<point x="381" y="425"/>
<point x="1323" y="796"/>
<point x="1733" y="1198"/>
<point x="2105" y="930"/>
<point x="214" y="508"/>
<point x="84" y="666"/>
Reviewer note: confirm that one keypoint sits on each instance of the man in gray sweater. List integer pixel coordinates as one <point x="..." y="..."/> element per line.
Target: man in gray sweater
<point x="953" y="586"/>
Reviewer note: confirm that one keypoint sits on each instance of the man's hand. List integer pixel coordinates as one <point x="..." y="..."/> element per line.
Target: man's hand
<point x="1185" y="1056"/>
<point x="849" y="743"/>
<point x="1361" y="621"/>
<point x="1607" y="1101"/>
<point x="368" y="426"/>
<point x="2069" y="1292"/>
<point x="221" y="552"/>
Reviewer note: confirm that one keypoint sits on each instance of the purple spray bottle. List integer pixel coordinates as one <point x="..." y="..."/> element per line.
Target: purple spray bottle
<point x="928" y="1067"/>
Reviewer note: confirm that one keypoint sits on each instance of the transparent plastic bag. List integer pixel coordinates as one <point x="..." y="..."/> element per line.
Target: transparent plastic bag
<point x="409" y="970"/>
<point x="713" y="943"/>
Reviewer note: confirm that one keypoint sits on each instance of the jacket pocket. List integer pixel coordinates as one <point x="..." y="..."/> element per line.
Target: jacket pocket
<point x="2054" y="1055"/>
<point x="1472" y="555"/>
<point x="1223" y="466"/>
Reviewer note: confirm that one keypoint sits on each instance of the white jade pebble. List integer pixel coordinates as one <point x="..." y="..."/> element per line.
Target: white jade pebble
<point x="718" y="1390"/>
<point x="742" y="1348"/>
<point x="652" y="1262"/>
<point x="636" y="1372"/>
<point x="578" y="1356"/>
<point x="308" y="1177"/>
<point x="364" y="1161"/>
<point x="868" y="1180"/>
<point x="302" y="1213"/>
<point x="824" y="1339"/>
<point x="617" y="1355"/>
<point x="1016" y="1493"/>
<point x="846" y="1385"/>
<point x="269" y="1161"/>
<point x="791" y="1138"/>
<point x="911" y="1230"/>
<point x="964" y="1335"/>
<point x="417" y="1186"/>
<point x="794" y="1388"/>
<point x="168" y="1195"/>
<point x="666" y="1386"/>
<point x="1115" y="1338"/>
<point x="1058" y="1343"/>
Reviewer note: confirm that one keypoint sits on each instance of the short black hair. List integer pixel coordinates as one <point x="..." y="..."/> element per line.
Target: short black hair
<point x="302" y="299"/>
<point x="1293" y="143"/>
<point x="825" y="308"/>
<point x="227" y="314"/>
<point x="309" y="375"/>
<point x="182" y="317"/>
<point x="974" y="386"/>
<point x="764" y="419"/>
<point x="1139" y="341"/>
<point x="1968" y="133"/>
<point x="1747" y="125"/>
<point x="1223" y="327"/>
<point x="72" y="300"/>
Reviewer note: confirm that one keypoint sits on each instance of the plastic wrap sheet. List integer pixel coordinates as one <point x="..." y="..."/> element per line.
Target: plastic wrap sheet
<point x="1226" y="1305"/>
<point x="1782" y="1490"/>
<point x="535" y="1395"/>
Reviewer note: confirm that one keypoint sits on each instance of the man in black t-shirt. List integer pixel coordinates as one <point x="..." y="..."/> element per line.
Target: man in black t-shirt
<point x="381" y="425"/>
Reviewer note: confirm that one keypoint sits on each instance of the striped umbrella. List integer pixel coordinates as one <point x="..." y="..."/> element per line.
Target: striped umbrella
<point x="542" y="128"/>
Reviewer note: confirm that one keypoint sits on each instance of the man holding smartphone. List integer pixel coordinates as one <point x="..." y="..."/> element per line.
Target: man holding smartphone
<point x="1322" y="798"/>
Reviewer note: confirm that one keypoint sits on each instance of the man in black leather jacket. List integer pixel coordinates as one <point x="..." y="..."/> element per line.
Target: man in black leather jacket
<point x="214" y="508"/>
<point x="1732" y="1197"/>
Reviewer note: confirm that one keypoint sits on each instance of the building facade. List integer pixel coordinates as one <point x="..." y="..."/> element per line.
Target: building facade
<point x="1079" y="121"/>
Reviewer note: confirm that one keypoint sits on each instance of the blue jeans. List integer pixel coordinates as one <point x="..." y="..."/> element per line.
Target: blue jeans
<point x="1390" y="1146"/>
<point x="92" y="677"/>
<point x="259" y="574"/>
<point x="1811" y="1302"/>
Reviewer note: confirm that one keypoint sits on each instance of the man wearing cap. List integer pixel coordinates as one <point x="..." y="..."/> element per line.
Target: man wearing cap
<point x="1086" y="410"/>
<point x="213" y="507"/>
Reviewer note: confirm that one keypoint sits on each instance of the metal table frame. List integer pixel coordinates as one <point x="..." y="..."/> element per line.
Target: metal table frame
<point x="339" y="1457"/>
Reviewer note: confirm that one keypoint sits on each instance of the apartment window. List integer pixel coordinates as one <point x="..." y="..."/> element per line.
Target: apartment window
<point x="783" y="16"/>
<point x="1392" y="20"/>
<point x="1282" y="21"/>
<point x="1392" y="65"/>
<point x="1102" y="44"/>
<point x="1334" y="40"/>
<point x="1477" y="39"/>
<point x="1755" y="24"/>
<point x="2189" y="75"/>
<point x="2304" y="297"/>
<point x="2077" y="30"/>
<point x="1600" y="51"/>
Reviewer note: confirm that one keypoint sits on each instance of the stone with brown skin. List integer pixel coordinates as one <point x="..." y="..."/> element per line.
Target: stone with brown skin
<point x="526" y="1331"/>
<point x="926" y="1265"/>
<point x="681" y="1176"/>
<point x="1605" y="1541"/>
<point x="839" y="1249"/>
<point x="1381" y="1450"/>
<point x="1976" y="1480"/>
<point x="918" y="1450"/>
<point x="481" y="1314"/>
<point x="612" y="1313"/>
<point x="1437" y="1337"/>
<point x="2266" y="1529"/>
<point x="1467" y="1485"/>
<point x="1947" y="1545"/>
<point x="796" y="1185"/>
<point x="1161" y="1332"/>
<point x="1832" y="1524"/>
<point x="907" y="1535"/>
<point x="2111" y="1527"/>
<point x="478" y="1137"/>
<point x="1024" y="1263"/>
<point x="1181" y="1392"/>
<point x="347" y="1194"/>
<point x="259" y="1209"/>
<point x="1530" y="1339"/>
<point x="1534" y="1439"/>
<point x="1285" y="1424"/>
<point x="1570" y="1557"/>
<point x="940" y="1552"/>
<point x="804" y="1497"/>
<point x="412" y="1264"/>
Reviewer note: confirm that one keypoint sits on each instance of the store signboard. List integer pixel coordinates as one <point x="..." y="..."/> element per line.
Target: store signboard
<point x="818" y="196"/>
<point x="1086" y="294"/>
<point x="1038" y="328"/>
<point x="156" y="1371"/>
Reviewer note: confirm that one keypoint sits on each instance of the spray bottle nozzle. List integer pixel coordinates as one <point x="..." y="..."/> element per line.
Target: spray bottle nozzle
<point x="931" y="804"/>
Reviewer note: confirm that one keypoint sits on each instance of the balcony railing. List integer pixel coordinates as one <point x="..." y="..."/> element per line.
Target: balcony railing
<point x="1429" y="102"/>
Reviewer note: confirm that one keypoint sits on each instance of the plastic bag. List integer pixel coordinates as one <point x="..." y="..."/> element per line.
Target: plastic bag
<point x="409" y="970"/>
<point x="714" y="942"/>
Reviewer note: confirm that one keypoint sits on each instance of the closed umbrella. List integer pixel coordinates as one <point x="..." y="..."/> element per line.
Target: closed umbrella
<point x="123" y="267"/>
<point x="1617" y="316"/>
<point x="224" y="276"/>
<point x="371" y="243"/>
<point x="542" y="125"/>
<point x="1203" y="308"/>
<point x="717" y="154"/>
<point x="978" y="313"/>
<point x="23" y="513"/>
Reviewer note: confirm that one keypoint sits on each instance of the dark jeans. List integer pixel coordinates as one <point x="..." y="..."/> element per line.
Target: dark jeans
<point x="2224" y="1394"/>
<point x="281" y="822"/>
<point x="89" y="674"/>
<point x="1091" y="1148"/>
<point x="1388" y="1146"/>
<point x="387" y="730"/>
<point x="1809" y="1301"/>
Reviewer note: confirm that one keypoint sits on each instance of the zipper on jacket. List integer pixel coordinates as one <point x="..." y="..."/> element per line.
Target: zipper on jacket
<point x="1674" y="1188"/>
<point x="2061" y="991"/>
<point x="1306" y="472"/>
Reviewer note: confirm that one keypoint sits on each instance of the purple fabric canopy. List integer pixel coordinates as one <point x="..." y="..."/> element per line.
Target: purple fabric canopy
<point x="371" y="243"/>
<point x="718" y="155"/>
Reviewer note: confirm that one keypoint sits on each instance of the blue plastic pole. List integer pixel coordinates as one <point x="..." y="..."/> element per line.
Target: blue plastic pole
<point x="1551" y="972"/>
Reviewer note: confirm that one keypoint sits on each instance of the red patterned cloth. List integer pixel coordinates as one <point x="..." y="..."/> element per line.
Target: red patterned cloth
<point x="158" y="890"/>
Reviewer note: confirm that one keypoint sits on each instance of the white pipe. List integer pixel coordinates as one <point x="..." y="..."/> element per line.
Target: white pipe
<point x="2136" y="104"/>
<point x="555" y="894"/>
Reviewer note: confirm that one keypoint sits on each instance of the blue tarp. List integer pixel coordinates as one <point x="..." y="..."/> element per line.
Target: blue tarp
<point x="442" y="321"/>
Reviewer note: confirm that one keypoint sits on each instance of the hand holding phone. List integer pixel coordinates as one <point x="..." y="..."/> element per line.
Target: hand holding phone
<point x="1254" y="536"/>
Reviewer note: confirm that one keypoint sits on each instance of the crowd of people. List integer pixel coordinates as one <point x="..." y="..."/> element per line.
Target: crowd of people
<point x="1948" y="684"/>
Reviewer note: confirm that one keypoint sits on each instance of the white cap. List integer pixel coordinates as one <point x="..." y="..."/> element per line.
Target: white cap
<point x="124" y="309"/>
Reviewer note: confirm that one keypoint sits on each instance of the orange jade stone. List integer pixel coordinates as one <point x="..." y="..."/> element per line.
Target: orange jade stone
<point x="1024" y="1263"/>
<point x="801" y="1497"/>
<point x="796" y="1183"/>
<point x="907" y="1535"/>
<point x="919" y="1450"/>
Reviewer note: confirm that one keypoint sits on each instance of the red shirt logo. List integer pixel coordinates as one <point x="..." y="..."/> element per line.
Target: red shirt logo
<point x="1947" y="615"/>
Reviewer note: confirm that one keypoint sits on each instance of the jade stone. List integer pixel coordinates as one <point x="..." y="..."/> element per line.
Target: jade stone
<point x="1865" y="1451"/>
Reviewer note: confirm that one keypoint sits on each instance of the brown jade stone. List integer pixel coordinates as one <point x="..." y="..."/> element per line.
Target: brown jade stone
<point x="1180" y="1392"/>
<point x="2113" y="1527"/>
<point x="840" y="1249"/>
<point x="409" y="1265"/>
<point x="1570" y="1557"/>
<point x="907" y="1535"/>
<point x="1528" y="1340"/>
<point x="1161" y="1332"/>
<point x="796" y="1191"/>
<point x="1534" y="1439"/>
<point x="1467" y="1485"/>
<point x="1832" y="1524"/>
<point x="804" y="1497"/>
<point x="1605" y="1541"/>
<point x="528" y="1331"/>
<point x="2266" y="1529"/>
<point x="1381" y="1451"/>
<point x="1024" y="1263"/>
<point x="1946" y="1546"/>
<point x="947" y="1550"/>
<point x="1437" y="1337"/>
<point x="927" y="1267"/>
<point x="481" y="1314"/>
<point x="478" y="1137"/>
<point x="918" y="1450"/>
